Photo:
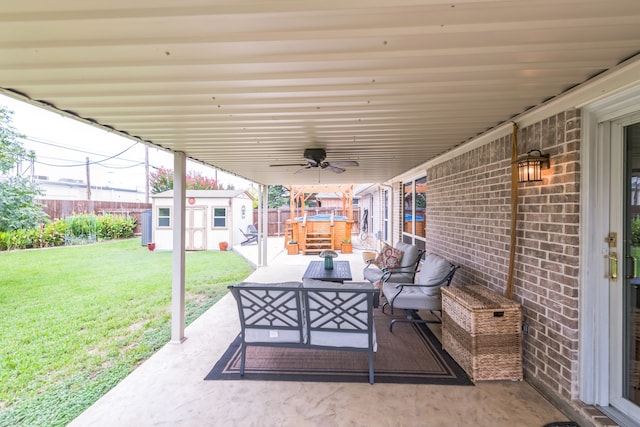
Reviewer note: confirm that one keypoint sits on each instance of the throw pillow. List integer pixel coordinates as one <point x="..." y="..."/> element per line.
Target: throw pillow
<point x="389" y="257"/>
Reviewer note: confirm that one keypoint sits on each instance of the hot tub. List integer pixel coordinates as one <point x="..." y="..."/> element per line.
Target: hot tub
<point x="323" y="228"/>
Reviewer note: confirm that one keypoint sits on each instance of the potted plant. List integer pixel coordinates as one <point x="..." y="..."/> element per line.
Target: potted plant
<point x="292" y="247"/>
<point x="223" y="246"/>
<point x="346" y="247"/>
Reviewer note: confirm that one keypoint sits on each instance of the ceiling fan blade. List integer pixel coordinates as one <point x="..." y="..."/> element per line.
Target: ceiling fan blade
<point x="334" y="169"/>
<point x="345" y="163"/>
<point x="307" y="167"/>
<point x="315" y="159"/>
<point x="288" y="164"/>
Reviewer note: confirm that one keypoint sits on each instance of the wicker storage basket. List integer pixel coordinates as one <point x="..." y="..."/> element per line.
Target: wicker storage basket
<point x="481" y="330"/>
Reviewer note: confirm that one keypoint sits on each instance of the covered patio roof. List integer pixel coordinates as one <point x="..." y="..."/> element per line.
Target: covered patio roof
<point x="242" y="85"/>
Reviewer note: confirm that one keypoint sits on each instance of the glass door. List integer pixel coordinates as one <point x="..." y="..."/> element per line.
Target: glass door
<point x="625" y="296"/>
<point x="630" y="302"/>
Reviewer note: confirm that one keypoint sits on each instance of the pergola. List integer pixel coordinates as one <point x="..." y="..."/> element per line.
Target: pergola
<point x="299" y="194"/>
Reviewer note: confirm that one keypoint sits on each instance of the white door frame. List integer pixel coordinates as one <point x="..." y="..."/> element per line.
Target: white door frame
<point x="596" y="305"/>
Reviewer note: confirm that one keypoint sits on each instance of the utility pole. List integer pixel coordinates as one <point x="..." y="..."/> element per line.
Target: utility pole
<point x="88" y="181"/>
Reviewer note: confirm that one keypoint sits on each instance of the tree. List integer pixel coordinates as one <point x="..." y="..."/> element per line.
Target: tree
<point x="278" y="196"/>
<point x="162" y="180"/>
<point x="19" y="206"/>
<point x="11" y="150"/>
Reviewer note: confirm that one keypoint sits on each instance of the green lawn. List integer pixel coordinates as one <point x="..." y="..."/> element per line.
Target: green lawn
<point x="75" y="321"/>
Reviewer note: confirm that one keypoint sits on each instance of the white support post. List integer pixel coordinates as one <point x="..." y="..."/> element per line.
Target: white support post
<point x="260" y="227"/>
<point x="178" y="284"/>
<point x="265" y="224"/>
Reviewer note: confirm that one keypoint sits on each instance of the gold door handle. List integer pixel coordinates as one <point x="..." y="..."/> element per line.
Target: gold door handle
<point x="613" y="265"/>
<point x="633" y="267"/>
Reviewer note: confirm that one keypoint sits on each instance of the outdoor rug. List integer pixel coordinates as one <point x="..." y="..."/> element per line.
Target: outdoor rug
<point x="409" y="355"/>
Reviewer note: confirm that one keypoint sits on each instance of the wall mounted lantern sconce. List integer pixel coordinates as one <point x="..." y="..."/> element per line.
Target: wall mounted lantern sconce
<point x="530" y="166"/>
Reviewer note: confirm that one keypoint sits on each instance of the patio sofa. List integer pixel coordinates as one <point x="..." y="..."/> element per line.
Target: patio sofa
<point x="311" y="314"/>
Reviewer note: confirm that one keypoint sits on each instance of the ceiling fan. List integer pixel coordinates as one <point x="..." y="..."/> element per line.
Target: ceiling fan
<point x="315" y="159"/>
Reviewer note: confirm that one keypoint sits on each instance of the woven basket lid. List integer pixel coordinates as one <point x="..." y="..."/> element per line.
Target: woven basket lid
<point x="478" y="297"/>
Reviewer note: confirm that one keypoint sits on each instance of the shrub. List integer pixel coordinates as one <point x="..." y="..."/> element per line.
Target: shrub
<point x="75" y="229"/>
<point x="18" y="239"/>
<point x="116" y="226"/>
<point x="635" y="232"/>
<point x="53" y="233"/>
<point x="85" y="225"/>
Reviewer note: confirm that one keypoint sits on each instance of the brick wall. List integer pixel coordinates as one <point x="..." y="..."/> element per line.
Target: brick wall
<point x="468" y="221"/>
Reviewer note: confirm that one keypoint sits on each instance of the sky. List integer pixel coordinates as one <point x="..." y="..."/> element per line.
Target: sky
<point x="62" y="146"/>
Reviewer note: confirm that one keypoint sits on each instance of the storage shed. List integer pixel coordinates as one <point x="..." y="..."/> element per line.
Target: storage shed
<point x="211" y="217"/>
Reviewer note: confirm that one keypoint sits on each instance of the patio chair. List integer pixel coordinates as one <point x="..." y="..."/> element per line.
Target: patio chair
<point x="404" y="272"/>
<point x="424" y="294"/>
<point x="251" y="236"/>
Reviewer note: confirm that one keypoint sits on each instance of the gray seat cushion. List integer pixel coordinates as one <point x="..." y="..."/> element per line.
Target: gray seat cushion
<point x="408" y="261"/>
<point x="372" y="274"/>
<point x="410" y="254"/>
<point x="434" y="268"/>
<point x="411" y="297"/>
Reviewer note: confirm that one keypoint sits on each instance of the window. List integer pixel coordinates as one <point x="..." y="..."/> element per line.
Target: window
<point x="421" y="207"/>
<point x="407" y="204"/>
<point x="164" y="217"/>
<point x="414" y="196"/>
<point x="219" y="217"/>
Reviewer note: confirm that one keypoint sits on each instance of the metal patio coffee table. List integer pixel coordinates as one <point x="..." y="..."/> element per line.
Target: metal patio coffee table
<point x="341" y="272"/>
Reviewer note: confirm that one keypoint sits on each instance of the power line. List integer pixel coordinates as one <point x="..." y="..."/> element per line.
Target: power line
<point x="78" y="150"/>
<point x="58" y="145"/>
<point x="39" y="162"/>
<point x="85" y="164"/>
<point x="122" y="167"/>
<point x="97" y="162"/>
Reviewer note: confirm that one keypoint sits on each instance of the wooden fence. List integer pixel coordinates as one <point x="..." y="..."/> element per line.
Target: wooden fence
<point x="277" y="218"/>
<point x="64" y="208"/>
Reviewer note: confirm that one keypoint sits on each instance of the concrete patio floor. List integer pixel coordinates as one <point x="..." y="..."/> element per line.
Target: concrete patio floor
<point x="169" y="390"/>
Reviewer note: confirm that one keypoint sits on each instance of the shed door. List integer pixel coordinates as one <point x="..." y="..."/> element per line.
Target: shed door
<point x="196" y="228"/>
